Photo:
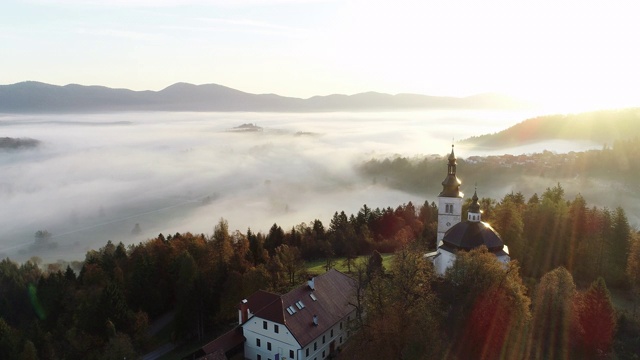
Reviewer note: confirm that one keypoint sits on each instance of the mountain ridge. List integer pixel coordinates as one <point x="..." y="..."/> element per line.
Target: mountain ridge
<point x="39" y="97"/>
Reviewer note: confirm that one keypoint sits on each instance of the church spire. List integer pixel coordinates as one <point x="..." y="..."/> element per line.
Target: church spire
<point x="474" y="214"/>
<point x="451" y="184"/>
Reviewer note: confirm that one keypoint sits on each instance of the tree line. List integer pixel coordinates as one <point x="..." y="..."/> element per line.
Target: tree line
<point x="616" y="164"/>
<point x="105" y="310"/>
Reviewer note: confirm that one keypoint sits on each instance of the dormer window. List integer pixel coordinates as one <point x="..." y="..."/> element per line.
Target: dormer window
<point x="313" y="297"/>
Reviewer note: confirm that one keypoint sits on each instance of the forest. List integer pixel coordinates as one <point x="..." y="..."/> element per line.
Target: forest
<point x="553" y="298"/>
<point x="616" y="165"/>
<point x="603" y="126"/>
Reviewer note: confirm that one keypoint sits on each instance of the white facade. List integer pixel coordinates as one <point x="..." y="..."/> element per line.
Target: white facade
<point x="264" y="343"/>
<point x="449" y="214"/>
<point x="442" y="260"/>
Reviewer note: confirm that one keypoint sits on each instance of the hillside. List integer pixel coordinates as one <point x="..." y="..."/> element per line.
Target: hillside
<point x="36" y="97"/>
<point x="605" y="126"/>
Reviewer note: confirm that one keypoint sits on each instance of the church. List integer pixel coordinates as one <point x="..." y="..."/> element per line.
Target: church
<point x="456" y="235"/>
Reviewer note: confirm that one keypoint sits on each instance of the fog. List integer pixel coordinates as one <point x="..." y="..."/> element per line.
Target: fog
<point x="94" y="177"/>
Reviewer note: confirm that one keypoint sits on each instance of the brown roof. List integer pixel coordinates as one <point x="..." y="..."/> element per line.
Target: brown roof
<point x="333" y="291"/>
<point x="225" y="342"/>
<point x="269" y="304"/>
<point x="217" y="355"/>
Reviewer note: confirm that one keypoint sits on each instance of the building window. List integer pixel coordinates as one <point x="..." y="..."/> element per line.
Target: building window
<point x="323" y="341"/>
<point x="264" y="325"/>
<point x="258" y="342"/>
<point x="340" y="325"/>
<point x="268" y="346"/>
<point x="276" y="329"/>
<point x="306" y="353"/>
<point x="340" y="339"/>
<point x="291" y="354"/>
<point x="323" y="354"/>
<point x="448" y="208"/>
<point x="259" y="357"/>
<point x="315" y="346"/>
<point x="331" y="332"/>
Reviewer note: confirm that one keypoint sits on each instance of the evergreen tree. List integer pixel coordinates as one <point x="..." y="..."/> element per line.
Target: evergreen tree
<point x="597" y="319"/>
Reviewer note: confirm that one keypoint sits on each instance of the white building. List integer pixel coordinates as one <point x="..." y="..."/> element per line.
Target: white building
<point x="454" y="235"/>
<point x="309" y="322"/>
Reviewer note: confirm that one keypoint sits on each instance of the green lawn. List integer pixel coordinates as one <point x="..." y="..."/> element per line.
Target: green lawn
<point x="316" y="267"/>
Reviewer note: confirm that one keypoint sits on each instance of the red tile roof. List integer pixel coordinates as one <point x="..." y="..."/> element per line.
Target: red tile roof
<point x="225" y="342"/>
<point x="333" y="291"/>
<point x="268" y="304"/>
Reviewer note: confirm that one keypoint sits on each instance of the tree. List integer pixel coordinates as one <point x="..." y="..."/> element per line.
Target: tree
<point x="289" y="257"/>
<point x="222" y="243"/>
<point x="29" y="351"/>
<point x="555" y="325"/>
<point x="187" y="318"/>
<point x="486" y="305"/>
<point x="119" y="347"/>
<point x="597" y="319"/>
<point x="510" y="225"/>
<point x="8" y="341"/>
<point x="274" y="239"/>
<point x="618" y="248"/>
<point x="401" y="313"/>
<point x="374" y="265"/>
<point x="633" y="268"/>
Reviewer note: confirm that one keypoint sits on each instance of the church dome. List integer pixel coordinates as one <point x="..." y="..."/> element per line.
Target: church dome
<point x="469" y="235"/>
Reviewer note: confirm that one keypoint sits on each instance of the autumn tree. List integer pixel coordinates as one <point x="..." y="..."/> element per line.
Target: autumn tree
<point x="289" y="257"/>
<point x="222" y="243"/>
<point x="597" y="319"/>
<point x="401" y="313"/>
<point x="486" y="305"/>
<point x="555" y="325"/>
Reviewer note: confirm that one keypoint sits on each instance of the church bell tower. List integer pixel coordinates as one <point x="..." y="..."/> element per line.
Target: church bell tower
<point x="449" y="200"/>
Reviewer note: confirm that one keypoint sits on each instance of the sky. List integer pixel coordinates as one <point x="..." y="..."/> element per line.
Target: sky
<point x="565" y="54"/>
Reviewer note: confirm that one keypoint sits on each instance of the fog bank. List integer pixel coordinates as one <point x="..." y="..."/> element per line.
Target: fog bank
<point x="94" y="177"/>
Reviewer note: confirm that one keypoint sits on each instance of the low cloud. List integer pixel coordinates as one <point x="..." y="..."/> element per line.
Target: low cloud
<point x="96" y="176"/>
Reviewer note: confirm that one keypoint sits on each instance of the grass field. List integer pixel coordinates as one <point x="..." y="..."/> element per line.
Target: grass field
<point x="316" y="267"/>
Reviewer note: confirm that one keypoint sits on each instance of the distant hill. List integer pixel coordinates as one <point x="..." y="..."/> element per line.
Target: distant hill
<point x="36" y="97"/>
<point x="605" y="126"/>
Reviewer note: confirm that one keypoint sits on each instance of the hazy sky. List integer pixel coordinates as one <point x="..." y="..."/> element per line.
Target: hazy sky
<point x="575" y="53"/>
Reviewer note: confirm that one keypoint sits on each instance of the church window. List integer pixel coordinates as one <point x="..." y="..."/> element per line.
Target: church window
<point x="448" y="208"/>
